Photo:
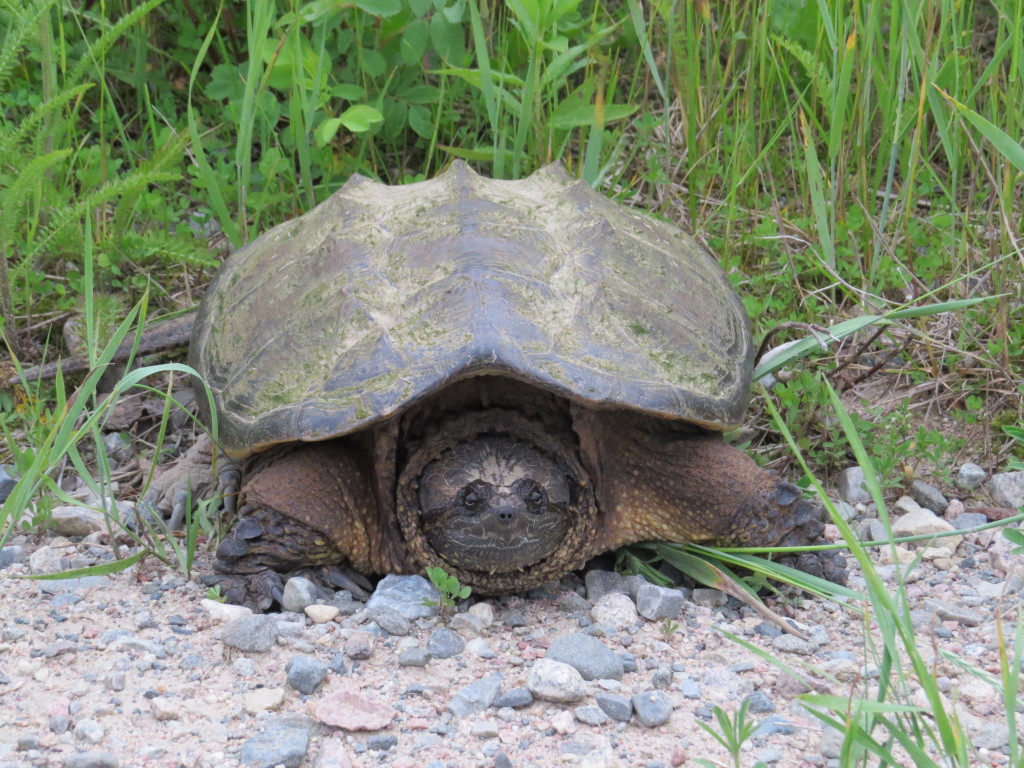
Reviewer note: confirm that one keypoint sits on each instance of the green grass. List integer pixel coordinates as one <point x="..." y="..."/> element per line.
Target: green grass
<point x="844" y="160"/>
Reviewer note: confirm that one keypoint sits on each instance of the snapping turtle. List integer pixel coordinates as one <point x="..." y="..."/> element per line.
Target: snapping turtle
<point x="502" y="378"/>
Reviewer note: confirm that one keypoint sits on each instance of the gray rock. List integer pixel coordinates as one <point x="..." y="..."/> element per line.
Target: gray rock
<point x="89" y="730"/>
<point x="298" y="593"/>
<point x="775" y="725"/>
<point x="1007" y="489"/>
<point x="551" y="680"/>
<point x="59" y="724"/>
<point x="570" y="602"/>
<point x="76" y="520"/>
<point x="710" y="598"/>
<point x="968" y="520"/>
<point x="484" y="729"/>
<point x="118" y="448"/>
<point x="970" y="476"/>
<point x="947" y="611"/>
<point x="760" y="703"/>
<point x="845" y="510"/>
<point x="382" y="742"/>
<point x="615" y="706"/>
<point x="80" y="585"/>
<point x="515" y="698"/>
<point x="479" y="647"/>
<point x="475" y="697"/>
<point x="305" y="673"/>
<point x="653" y="708"/>
<point x="390" y="620"/>
<point x="991" y="736"/>
<point x="872" y="529"/>
<point x="405" y="595"/>
<point x="928" y="496"/>
<point x="689" y="688"/>
<point x="11" y="555"/>
<point x="346" y="603"/>
<point x="850" y="486"/>
<point x="662" y="677"/>
<point x="601" y="583"/>
<point x="591" y="715"/>
<point x="831" y="744"/>
<point x="467" y="624"/>
<point x="250" y="633"/>
<point x="414" y="657"/>
<point x="7" y="481"/>
<point x="655" y="603"/>
<point x="443" y="644"/>
<point x="792" y="644"/>
<point x="276" y="745"/>
<point x="587" y="655"/>
<point x="94" y="759"/>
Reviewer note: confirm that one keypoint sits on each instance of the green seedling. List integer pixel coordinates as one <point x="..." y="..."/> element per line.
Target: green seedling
<point x="449" y="589"/>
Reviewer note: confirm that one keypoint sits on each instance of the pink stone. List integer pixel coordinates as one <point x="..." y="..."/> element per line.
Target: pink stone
<point x="354" y="712"/>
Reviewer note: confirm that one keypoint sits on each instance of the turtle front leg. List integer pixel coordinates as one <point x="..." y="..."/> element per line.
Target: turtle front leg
<point x="658" y="483"/>
<point x="300" y="507"/>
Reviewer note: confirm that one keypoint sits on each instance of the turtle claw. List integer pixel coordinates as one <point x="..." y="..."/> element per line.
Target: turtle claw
<point x="347" y="578"/>
<point x="256" y="591"/>
<point x="808" y="524"/>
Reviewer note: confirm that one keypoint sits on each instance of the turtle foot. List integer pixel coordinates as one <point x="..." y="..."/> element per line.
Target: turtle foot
<point x="257" y="591"/>
<point x="807" y="521"/>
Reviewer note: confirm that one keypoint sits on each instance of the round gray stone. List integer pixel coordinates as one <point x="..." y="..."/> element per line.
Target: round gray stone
<point x="475" y="697"/>
<point x="591" y="715"/>
<point x="250" y="633"/>
<point x="600" y="583"/>
<point x="515" y="698"/>
<point x="406" y="595"/>
<point x="298" y="593"/>
<point x="414" y="657"/>
<point x="7" y="481"/>
<point x="390" y="620"/>
<point x="305" y="673"/>
<point x="93" y="759"/>
<point x="655" y="603"/>
<point x="615" y="706"/>
<point x="851" y="486"/>
<point x="277" y="745"/>
<point x="653" y="708"/>
<point x="970" y="476"/>
<point x="928" y="496"/>
<point x="443" y="644"/>
<point x="587" y="655"/>
<point x="1007" y="489"/>
<point x="760" y="703"/>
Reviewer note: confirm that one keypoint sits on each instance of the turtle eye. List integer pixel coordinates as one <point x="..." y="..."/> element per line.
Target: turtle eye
<point x="473" y="497"/>
<point x="536" y="498"/>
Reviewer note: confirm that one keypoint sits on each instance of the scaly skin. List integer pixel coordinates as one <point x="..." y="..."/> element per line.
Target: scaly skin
<point x="313" y="505"/>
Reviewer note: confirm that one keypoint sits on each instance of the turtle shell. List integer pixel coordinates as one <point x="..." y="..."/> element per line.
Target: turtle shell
<point x="382" y="295"/>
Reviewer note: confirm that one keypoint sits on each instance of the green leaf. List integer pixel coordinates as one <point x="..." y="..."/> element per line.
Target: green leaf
<point x="360" y="118"/>
<point x="1008" y="148"/>
<point x="348" y="91"/>
<point x="383" y="8"/>
<point x="566" y="118"/>
<point x="327" y="130"/>
<point x="414" y="42"/>
<point x="420" y="122"/>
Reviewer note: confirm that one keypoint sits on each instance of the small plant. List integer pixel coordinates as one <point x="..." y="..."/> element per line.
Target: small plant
<point x="732" y="733"/>
<point x="448" y="587"/>
<point x="668" y="628"/>
<point x="213" y="593"/>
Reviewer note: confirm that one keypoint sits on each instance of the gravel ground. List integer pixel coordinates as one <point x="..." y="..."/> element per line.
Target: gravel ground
<point x="140" y="669"/>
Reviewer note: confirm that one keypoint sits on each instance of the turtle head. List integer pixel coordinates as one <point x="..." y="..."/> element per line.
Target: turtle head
<point x="494" y="504"/>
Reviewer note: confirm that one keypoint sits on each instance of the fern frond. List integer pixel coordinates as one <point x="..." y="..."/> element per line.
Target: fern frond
<point x="13" y="198"/>
<point x="25" y="23"/>
<point x="98" y="49"/>
<point x="11" y="137"/>
<point x="815" y="69"/>
<point x="127" y="184"/>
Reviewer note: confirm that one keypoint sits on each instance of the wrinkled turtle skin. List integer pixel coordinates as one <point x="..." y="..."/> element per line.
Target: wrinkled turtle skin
<point x="502" y="378"/>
